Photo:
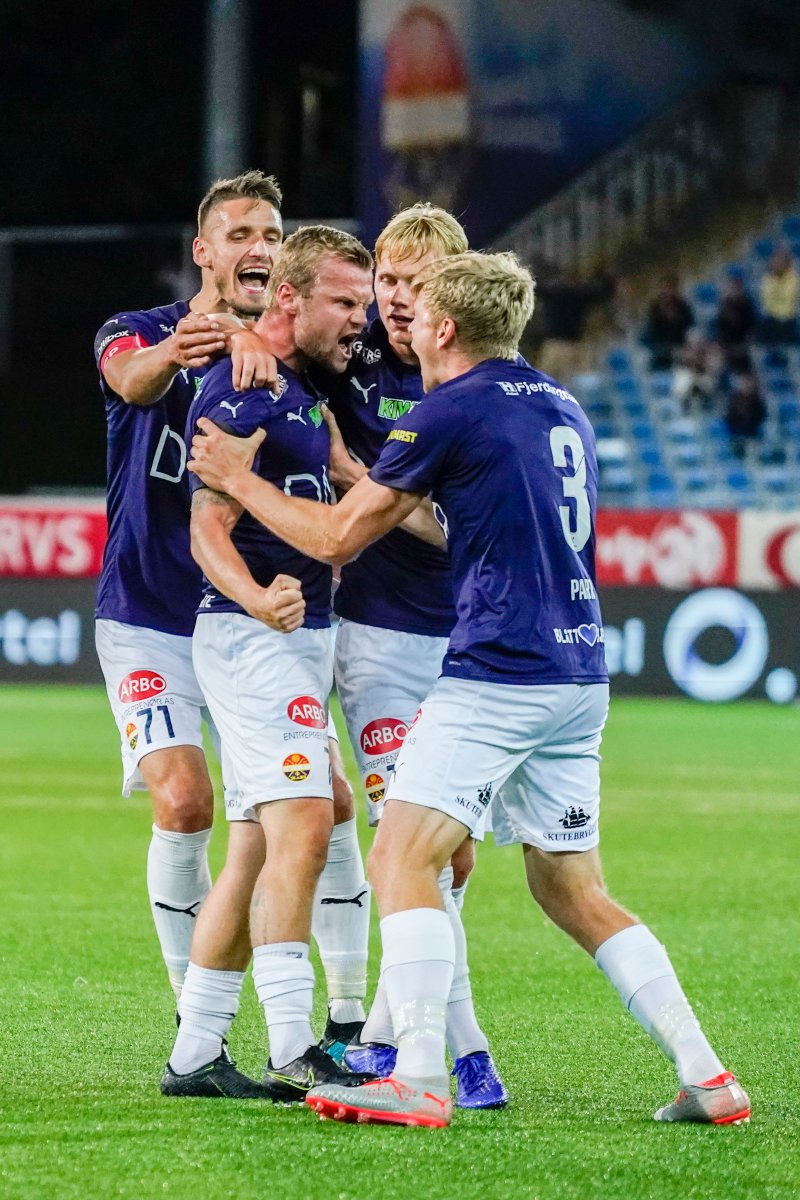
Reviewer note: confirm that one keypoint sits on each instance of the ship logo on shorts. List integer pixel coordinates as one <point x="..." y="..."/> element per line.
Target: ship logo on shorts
<point x="141" y="685"/>
<point x="574" y="818"/>
<point x="375" y="787"/>
<point x="296" y="767"/>
<point x="132" y="734"/>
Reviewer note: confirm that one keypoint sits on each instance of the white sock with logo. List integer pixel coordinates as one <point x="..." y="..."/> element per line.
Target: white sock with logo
<point x="418" y="954"/>
<point x="464" y="1034"/>
<point x="208" y="1003"/>
<point x="340" y="924"/>
<point x="178" y="881"/>
<point x="284" y="981"/>
<point x="638" y="966"/>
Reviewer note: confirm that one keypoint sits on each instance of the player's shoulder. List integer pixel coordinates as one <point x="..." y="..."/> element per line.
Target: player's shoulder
<point x="160" y="322"/>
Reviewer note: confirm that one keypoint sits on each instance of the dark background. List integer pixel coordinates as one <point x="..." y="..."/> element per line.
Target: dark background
<point x="104" y="112"/>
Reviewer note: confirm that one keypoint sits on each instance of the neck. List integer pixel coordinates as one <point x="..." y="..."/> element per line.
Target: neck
<point x="277" y="331"/>
<point x="208" y="299"/>
<point x="457" y="362"/>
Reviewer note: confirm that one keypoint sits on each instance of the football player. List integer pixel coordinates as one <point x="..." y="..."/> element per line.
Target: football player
<point x="519" y="710"/>
<point x="151" y="364"/>
<point x="263" y="657"/>
<point x="396" y="607"/>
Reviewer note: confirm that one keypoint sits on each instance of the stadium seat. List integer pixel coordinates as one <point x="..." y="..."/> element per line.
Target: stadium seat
<point x="791" y="227"/>
<point x="738" y="480"/>
<point x="682" y="429"/>
<point x="763" y="248"/>
<point x="619" y="359"/>
<point x="688" y="454"/>
<point x="650" y="456"/>
<point x="777" y="480"/>
<point x="635" y="407"/>
<point x="661" y="489"/>
<point x="642" y="430"/>
<point x="626" y="385"/>
<point x="706" y="294"/>
<point x="698" y="480"/>
<point x="588" y="388"/>
<point x="788" y="408"/>
<point x="617" y="479"/>
<point x="605" y="429"/>
<point x="612" y="451"/>
<point x="661" y="383"/>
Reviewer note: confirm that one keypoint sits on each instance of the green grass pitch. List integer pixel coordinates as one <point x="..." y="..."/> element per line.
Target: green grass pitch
<point x="700" y="838"/>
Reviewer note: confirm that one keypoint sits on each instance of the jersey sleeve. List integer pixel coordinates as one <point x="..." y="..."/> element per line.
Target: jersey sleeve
<point x="126" y="331"/>
<point x="416" y="450"/>
<point x="237" y="413"/>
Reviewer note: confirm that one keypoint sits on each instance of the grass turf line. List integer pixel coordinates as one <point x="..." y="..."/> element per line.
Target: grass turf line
<point x="700" y="825"/>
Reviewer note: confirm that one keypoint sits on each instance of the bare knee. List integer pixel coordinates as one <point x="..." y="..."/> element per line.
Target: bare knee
<point x="183" y="804"/>
<point x="179" y="783"/>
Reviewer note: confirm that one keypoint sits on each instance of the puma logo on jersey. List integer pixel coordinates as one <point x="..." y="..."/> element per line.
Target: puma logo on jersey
<point x="232" y="408"/>
<point x="364" y="390"/>
<point x="298" y="416"/>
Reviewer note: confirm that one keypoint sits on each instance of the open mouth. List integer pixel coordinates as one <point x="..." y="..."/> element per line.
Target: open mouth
<point x="346" y="344"/>
<point x="254" y="280"/>
<point x="400" y="321"/>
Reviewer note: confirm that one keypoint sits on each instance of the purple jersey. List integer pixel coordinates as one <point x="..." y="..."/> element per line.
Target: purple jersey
<point x="509" y="455"/>
<point x="294" y="457"/>
<point x="399" y="582"/>
<point x="149" y="577"/>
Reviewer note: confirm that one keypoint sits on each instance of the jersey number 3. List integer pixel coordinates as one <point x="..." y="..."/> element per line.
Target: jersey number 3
<point x="563" y="437"/>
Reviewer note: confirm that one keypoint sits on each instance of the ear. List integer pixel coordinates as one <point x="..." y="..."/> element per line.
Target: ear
<point x="446" y="332"/>
<point x="287" y="297"/>
<point x="200" y="253"/>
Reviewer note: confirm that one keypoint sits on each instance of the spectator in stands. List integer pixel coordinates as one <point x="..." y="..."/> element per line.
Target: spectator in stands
<point x="780" y="298"/>
<point x="735" y="322"/>
<point x="669" y="319"/>
<point x="745" y="411"/>
<point x="566" y="302"/>
<point x="696" y="375"/>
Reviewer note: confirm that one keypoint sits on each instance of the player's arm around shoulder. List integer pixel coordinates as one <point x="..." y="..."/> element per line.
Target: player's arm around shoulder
<point x="280" y="606"/>
<point x="140" y="372"/>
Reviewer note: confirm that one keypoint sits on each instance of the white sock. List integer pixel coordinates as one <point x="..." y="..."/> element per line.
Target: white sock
<point x="639" y="968"/>
<point x="178" y="881"/>
<point x="458" y="895"/>
<point x="284" y="980"/>
<point x="418" y="956"/>
<point x="208" y="1003"/>
<point x="464" y="1034"/>
<point x="378" y="1025"/>
<point x="340" y="924"/>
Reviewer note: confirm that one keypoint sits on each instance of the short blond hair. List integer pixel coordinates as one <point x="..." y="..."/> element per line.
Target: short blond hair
<point x="420" y="229"/>
<point x="300" y="257"/>
<point x="488" y="296"/>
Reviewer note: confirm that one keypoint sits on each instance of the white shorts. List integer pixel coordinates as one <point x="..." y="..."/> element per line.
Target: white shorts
<point x="382" y="677"/>
<point x="268" y="694"/>
<point x="153" y="691"/>
<point x="533" y="752"/>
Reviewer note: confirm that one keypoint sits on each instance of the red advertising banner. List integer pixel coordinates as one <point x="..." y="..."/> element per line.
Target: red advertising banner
<point x="672" y="548"/>
<point x="769" y="550"/>
<point x="59" y="539"/>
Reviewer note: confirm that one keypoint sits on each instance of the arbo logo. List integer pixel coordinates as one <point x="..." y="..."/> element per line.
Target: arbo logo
<point x="141" y="685"/>
<point x="383" y="735"/>
<point x="305" y="710"/>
